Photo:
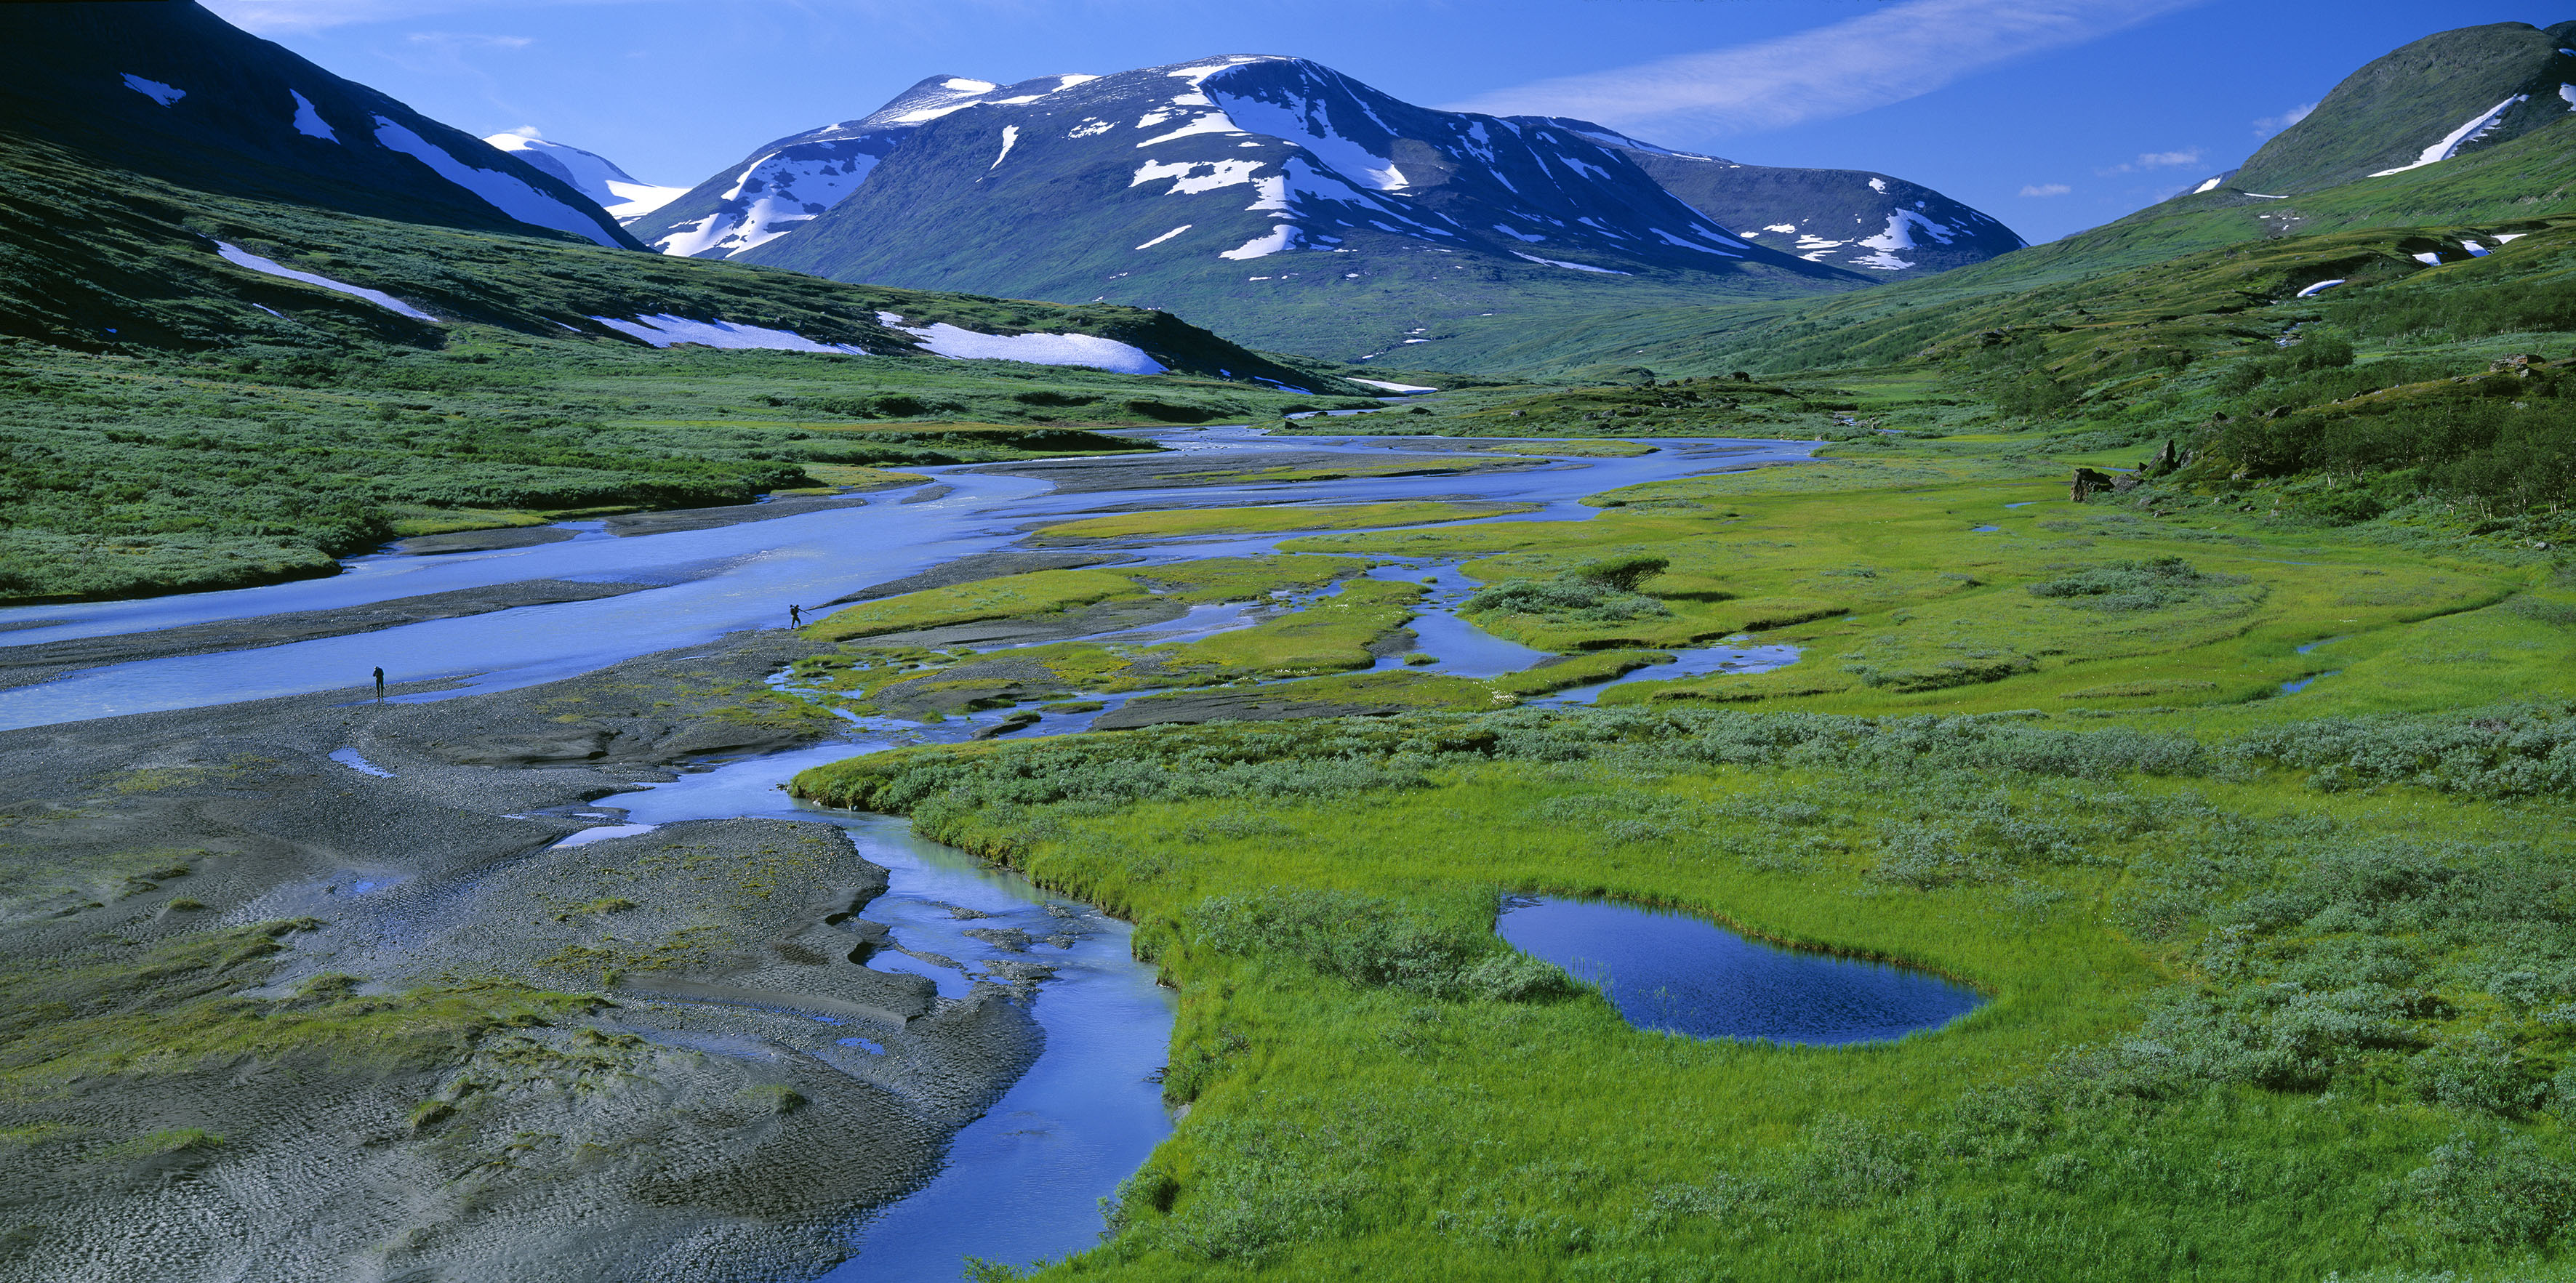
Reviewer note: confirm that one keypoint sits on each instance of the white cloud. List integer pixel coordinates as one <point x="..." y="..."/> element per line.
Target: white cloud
<point x="1851" y="66"/>
<point x="2270" y="125"/>
<point x="453" y="41"/>
<point x="273" y="17"/>
<point x="2046" y="189"/>
<point x="2188" y="156"/>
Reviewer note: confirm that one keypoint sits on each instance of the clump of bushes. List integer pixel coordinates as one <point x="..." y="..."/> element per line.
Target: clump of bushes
<point x="2134" y="585"/>
<point x="1369" y="940"/>
<point x="1597" y="592"/>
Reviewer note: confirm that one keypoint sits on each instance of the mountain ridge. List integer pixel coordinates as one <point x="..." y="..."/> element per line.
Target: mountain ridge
<point x="624" y="196"/>
<point x="1436" y="215"/>
<point x="170" y="91"/>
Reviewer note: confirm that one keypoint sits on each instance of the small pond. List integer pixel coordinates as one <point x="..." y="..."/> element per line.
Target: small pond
<point x="1674" y="972"/>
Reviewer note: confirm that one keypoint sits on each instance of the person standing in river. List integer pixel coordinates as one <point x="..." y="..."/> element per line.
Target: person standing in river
<point x="796" y="616"/>
<point x="380" y="681"/>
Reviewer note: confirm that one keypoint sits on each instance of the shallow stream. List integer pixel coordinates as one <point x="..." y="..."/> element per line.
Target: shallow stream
<point x="1023" y="1181"/>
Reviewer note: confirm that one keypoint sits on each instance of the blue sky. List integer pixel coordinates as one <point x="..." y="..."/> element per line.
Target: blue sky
<point x="2053" y="115"/>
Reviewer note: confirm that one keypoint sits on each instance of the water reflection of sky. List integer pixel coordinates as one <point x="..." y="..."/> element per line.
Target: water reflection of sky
<point x="1674" y="972"/>
<point x="712" y="581"/>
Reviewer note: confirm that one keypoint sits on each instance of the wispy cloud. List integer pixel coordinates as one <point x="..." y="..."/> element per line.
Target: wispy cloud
<point x="452" y="42"/>
<point x="2270" y="125"/>
<point x="287" y="17"/>
<point x="2046" y="189"/>
<point x="2156" y="160"/>
<point x="1897" y="53"/>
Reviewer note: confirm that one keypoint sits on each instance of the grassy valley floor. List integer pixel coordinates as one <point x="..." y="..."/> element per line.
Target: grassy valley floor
<point x="2250" y="828"/>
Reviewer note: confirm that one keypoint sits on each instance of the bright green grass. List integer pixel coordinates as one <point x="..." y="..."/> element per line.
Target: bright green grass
<point x="1009" y="596"/>
<point x="1340" y="1127"/>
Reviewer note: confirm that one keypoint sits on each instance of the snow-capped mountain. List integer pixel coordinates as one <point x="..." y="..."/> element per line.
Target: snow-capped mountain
<point x="1217" y="187"/>
<point x="2445" y="96"/>
<point x="793" y="180"/>
<point x="172" y="92"/>
<point x="625" y="197"/>
<point x="1850" y="218"/>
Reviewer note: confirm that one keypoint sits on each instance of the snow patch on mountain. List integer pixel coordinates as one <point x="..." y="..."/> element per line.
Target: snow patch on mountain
<point x="503" y="192"/>
<point x="1580" y="267"/>
<point x="1671" y="239"/>
<point x="947" y="340"/>
<point x="240" y="257"/>
<point x="621" y="194"/>
<point x="666" y="330"/>
<point x="772" y="196"/>
<point x="2458" y="138"/>
<point x="1214" y="122"/>
<point x="1308" y="123"/>
<point x="1165" y="236"/>
<point x="154" y="89"/>
<point x="1278" y="238"/>
<point x="1010" y="139"/>
<point x="1402" y="389"/>
<point x="1188" y="181"/>
<point x="309" y="122"/>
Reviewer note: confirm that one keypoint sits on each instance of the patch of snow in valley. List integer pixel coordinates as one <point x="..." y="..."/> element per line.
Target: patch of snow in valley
<point x="503" y="192"/>
<point x="154" y="89"/>
<point x="948" y="340"/>
<point x="2567" y="93"/>
<point x="2320" y="287"/>
<point x="1579" y="267"/>
<point x="1525" y="239"/>
<point x="240" y="257"/>
<point x="2508" y="237"/>
<point x="1166" y="236"/>
<point x="1778" y="227"/>
<point x="2429" y="259"/>
<point x="666" y="330"/>
<point x="2458" y="138"/>
<point x="1398" y="388"/>
<point x="309" y="122"/>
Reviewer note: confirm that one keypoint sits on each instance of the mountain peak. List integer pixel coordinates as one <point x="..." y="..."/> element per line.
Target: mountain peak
<point x="1204" y="184"/>
<point x="625" y="197"/>
<point x="2438" y="98"/>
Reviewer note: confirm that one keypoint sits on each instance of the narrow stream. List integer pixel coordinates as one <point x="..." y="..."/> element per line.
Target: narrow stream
<point x="1023" y="1181"/>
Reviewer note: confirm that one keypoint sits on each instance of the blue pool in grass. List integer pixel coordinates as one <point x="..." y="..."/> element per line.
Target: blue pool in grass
<point x="1670" y="971"/>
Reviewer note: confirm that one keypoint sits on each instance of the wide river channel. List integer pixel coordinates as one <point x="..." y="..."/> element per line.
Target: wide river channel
<point x="1023" y="1182"/>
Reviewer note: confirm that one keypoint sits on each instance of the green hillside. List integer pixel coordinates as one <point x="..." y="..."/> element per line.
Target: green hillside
<point x="180" y="423"/>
